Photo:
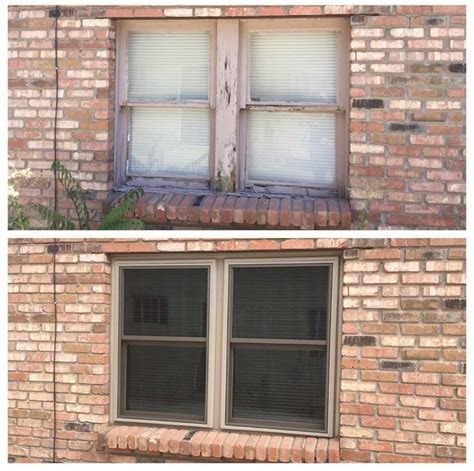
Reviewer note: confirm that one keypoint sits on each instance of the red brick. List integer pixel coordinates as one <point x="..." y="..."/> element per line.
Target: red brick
<point x="305" y="10"/>
<point x="273" y="212"/>
<point x="310" y="450"/>
<point x="271" y="11"/>
<point x="147" y="12"/>
<point x="285" y="449"/>
<point x="296" y="455"/>
<point x="273" y="449"/>
<point x="298" y="244"/>
<point x="239" y="209"/>
<point x="263" y="245"/>
<point x="251" y="211"/>
<point x="239" y="446"/>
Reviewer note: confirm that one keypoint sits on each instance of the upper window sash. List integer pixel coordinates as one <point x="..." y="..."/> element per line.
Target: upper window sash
<point x="160" y="26"/>
<point x="337" y="25"/>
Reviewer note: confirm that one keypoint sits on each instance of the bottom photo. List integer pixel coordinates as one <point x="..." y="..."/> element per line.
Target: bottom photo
<point x="274" y="350"/>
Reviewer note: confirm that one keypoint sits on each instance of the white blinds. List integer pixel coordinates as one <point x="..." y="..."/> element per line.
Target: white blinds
<point x="163" y="67"/>
<point x="293" y="66"/>
<point x="168" y="65"/>
<point x="169" y="142"/>
<point x="292" y="147"/>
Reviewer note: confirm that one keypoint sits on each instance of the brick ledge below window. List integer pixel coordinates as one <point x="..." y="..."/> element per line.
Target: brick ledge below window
<point x="240" y="211"/>
<point x="217" y="445"/>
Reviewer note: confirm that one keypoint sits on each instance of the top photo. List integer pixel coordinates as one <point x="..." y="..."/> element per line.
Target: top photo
<point x="320" y="117"/>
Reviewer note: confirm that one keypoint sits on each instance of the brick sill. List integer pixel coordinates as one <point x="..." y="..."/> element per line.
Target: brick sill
<point x="178" y="443"/>
<point x="221" y="210"/>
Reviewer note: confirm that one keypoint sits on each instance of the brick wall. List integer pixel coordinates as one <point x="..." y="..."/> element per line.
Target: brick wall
<point x="407" y="116"/>
<point x="402" y="394"/>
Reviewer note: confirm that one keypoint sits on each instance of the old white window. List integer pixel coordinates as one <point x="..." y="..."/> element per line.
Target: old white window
<point x="226" y="343"/>
<point x="258" y="103"/>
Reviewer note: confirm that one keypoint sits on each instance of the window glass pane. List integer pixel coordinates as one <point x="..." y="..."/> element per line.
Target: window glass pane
<point x="293" y="66"/>
<point x="168" y="65"/>
<point x="280" y="385"/>
<point x="280" y="302"/>
<point x="167" y="380"/>
<point x="292" y="147"/>
<point x="165" y="302"/>
<point x="169" y="141"/>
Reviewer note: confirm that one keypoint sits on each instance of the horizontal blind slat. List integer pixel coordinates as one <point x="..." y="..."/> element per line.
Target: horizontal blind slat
<point x="292" y="147"/>
<point x="293" y="66"/>
<point x="168" y="302"/>
<point x="169" y="141"/>
<point x="167" y="380"/>
<point x="279" y="385"/>
<point x="280" y="302"/>
<point x="168" y="65"/>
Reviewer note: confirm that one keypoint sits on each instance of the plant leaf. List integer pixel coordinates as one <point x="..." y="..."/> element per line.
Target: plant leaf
<point x="55" y="220"/>
<point x="116" y="218"/>
<point x="74" y="192"/>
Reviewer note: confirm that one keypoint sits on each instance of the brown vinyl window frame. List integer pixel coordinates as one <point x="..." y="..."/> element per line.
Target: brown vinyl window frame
<point x="229" y="103"/>
<point x="125" y="340"/>
<point x="218" y="384"/>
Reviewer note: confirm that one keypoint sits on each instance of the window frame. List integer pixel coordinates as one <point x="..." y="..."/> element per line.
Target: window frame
<point x="229" y="105"/>
<point x="123" y="107"/>
<point x="340" y="109"/>
<point x="118" y="365"/>
<point x="226" y="390"/>
<point x="218" y="325"/>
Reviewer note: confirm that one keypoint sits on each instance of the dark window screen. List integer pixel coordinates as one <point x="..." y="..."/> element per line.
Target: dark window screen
<point x="165" y="302"/>
<point x="279" y="385"/>
<point x="169" y="380"/>
<point x="164" y="375"/>
<point x="280" y="302"/>
<point x="279" y="346"/>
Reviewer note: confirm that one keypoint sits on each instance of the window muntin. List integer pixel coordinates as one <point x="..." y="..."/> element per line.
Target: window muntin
<point x="278" y="345"/>
<point x="164" y="342"/>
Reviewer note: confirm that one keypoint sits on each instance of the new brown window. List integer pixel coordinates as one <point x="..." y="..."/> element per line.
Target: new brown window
<point x="263" y="100"/>
<point x="247" y="343"/>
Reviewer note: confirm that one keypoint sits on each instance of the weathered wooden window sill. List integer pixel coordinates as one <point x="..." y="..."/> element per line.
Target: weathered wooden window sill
<point x="188" y="444"/>
<point x="239" y="211"/>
